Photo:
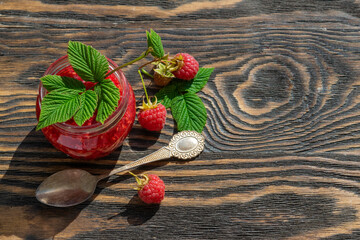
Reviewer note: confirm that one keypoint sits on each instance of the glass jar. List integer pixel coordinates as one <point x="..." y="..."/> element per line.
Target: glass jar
<point x="93" y="139"/>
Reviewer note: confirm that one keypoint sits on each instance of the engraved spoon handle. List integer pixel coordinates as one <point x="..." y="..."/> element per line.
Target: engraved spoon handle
<point x="162" y="153"/>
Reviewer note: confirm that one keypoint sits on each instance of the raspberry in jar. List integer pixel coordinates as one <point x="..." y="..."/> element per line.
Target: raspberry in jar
<point x="92" y="139"/>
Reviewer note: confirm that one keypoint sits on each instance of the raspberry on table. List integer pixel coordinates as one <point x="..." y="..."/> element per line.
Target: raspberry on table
<point x="188" y="66"/>
<point x="151" y="189"/>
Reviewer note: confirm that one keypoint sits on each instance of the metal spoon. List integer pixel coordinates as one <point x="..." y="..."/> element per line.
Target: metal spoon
<point x="73" y="186"/>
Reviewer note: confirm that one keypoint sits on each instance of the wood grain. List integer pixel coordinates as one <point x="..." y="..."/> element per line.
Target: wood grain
<point x="282" y="150"/>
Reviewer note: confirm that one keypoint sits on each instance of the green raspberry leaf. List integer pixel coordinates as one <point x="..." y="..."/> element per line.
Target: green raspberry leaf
<point x="54" y="82"/>
<point x="88" y="104"/>
<point x="189" y="112"/>
<point x="109" y="96"/>
<point x="154" y="41"/>
<point x="97" y="90"/>
<point x="167" y="94"/>
<point x="198" y="82"/>
<point x="58" y="106"/>
<point x="87" y="62"/>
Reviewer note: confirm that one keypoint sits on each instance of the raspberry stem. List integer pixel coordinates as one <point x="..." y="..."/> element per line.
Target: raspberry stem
<point x="143" y="55"/>
<point x="141" y="182"/>
<point x="146" y="73"/>
<point x="143" y="83"/>
<point x="148" y="63"/>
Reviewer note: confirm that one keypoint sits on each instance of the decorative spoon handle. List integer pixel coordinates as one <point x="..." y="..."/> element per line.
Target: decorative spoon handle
<point x="183" y="145"/>
<point x="162" y="153"/>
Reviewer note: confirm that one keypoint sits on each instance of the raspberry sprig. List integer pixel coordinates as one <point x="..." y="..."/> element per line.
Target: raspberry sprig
<point x="180" y="78"/>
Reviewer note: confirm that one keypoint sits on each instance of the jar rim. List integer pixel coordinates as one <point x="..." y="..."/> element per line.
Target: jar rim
<point x="119" y="112"/>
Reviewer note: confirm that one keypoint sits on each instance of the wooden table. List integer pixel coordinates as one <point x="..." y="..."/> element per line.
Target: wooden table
<point x="282" y="138"/>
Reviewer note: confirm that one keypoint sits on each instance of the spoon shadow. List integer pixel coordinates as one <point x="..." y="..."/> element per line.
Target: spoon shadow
<point x="33" y="161"/>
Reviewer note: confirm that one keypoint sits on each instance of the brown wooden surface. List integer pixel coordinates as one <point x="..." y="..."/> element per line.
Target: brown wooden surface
<point x="283" y="134"/>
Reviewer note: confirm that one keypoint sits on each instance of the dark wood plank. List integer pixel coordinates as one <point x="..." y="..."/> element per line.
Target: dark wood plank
<point x="281" y="157"/>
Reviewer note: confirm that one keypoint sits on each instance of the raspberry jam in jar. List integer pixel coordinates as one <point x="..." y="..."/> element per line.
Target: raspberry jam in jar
<point x="93" y="139"/>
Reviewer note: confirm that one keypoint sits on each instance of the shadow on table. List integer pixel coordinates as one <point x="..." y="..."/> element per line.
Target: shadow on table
<point x="21" y="214"/>
<point x="141" y="144"/>
<point x="137" y="212"/>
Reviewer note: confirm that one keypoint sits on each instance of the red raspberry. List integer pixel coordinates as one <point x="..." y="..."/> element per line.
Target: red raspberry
<point x="188" y="66"/>
<point x="151" y="189"/>
<point x="152" y="118"/>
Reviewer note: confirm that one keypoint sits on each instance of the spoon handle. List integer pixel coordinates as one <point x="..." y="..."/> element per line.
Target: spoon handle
<point x="162" y="153"/>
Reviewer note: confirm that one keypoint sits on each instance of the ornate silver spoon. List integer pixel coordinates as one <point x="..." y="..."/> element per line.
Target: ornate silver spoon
<point x="73" y="186"/>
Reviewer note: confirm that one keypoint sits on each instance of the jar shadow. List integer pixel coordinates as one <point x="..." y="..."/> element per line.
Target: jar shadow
<point x="33" y="161"/>
<point x="138" y="142"/>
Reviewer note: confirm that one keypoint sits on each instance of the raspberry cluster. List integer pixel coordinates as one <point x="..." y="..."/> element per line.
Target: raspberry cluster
<point x="182" y="66"/>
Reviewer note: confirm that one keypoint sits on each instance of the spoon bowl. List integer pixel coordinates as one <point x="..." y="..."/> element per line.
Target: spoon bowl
<point x="74" y="186"/>
<point x="67" y="188"/>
